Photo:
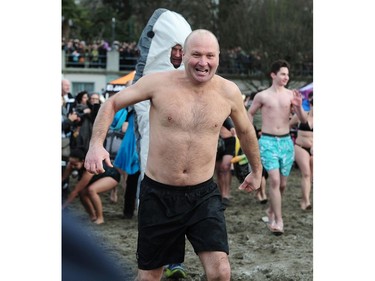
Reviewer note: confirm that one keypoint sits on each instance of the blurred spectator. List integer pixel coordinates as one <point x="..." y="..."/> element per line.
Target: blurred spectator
<point x="67" y="125"/>
<point x="94" y="105"/>
<point x="67" y="96"/>
<point x="83" y="130"/>
<point x="94" y="56"/>
<point x="103" y="49"/>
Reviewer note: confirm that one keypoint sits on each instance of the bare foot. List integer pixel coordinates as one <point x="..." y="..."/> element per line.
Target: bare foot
<point x="113" y="196"/>
<point x="276" y="228"/>
<point x="99" y="221"/>
<point x="271" y="216"/>
<point x="93" y="218"/>
<point x="306" y="206"/>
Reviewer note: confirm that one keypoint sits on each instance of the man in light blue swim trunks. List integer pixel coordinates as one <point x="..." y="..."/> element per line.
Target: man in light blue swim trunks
<point x="275" y="144"/>
<point x="277" y="152"/>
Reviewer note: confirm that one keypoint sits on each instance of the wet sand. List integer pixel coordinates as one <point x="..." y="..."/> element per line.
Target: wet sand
<point x="255" y="253"/>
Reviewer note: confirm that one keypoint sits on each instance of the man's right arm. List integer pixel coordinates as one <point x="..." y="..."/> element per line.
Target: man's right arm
<point x="102" y="122"/>
<point x="96" y="153"/>
<point x="140" y="91"/>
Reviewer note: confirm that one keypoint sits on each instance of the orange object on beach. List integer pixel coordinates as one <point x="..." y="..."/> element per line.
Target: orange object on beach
<point x="238" y="158"/>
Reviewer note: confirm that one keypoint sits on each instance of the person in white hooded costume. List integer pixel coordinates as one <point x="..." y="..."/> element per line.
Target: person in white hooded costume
<point x="164" y="30"/>
<point x="163" y="35"/>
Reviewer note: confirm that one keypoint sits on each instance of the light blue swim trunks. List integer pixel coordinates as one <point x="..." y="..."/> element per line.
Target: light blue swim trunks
<point x="277" y="152"/>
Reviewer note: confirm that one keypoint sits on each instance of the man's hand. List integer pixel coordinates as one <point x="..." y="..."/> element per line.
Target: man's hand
<point x="94" y="159"/>
<point x="251" y="183"/>
<point x="297" y="98"/>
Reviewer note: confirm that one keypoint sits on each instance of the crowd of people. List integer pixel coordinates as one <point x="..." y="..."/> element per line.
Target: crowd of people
<point x="236" y="60"/>
<point x="94" y="55"/>
<point x="182" y="200"/>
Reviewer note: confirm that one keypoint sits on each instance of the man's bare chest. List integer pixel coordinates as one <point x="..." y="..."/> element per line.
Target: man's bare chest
<point x="189" y="114"/>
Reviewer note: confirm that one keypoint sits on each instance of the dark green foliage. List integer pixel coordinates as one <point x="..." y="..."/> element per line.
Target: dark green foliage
<point x="271" y="29"/>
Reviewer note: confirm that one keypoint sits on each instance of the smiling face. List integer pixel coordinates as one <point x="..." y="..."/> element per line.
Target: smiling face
<point x="281" y="78"/>
<point x="201" y="55"/>
<point x="280" y="72"/>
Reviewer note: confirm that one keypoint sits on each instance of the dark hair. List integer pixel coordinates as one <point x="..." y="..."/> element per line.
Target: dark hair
<point x="276" y="65"/>
<point x="77" y="153"/>
<point x="80" y="95"/>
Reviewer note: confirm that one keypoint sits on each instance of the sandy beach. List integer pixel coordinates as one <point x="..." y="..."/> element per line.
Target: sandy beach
<point x="255" y="253"/>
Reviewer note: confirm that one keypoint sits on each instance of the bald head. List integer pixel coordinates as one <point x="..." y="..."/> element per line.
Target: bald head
<point x="199" y="35"/>
<point x="201" y="55"/>
<point x="65" y="86"/>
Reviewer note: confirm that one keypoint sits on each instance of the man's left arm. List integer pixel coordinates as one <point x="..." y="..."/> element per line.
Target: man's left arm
<point x="249" y="144"/>
<point x="297" y="105"/>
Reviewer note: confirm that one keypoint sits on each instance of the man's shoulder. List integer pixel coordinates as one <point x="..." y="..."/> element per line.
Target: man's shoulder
<point x="223" y="82"/>
<point x="264" y="93"/>
<point x="271" y="92"/>
<point x="158" y="78"/>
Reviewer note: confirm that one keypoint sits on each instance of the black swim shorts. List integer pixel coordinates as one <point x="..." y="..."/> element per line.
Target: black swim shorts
<point x="168" y="213"/>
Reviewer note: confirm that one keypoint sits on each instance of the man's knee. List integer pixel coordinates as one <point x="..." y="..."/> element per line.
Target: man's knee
<point x="220" y="273"/>
<point x="149" y="275"/>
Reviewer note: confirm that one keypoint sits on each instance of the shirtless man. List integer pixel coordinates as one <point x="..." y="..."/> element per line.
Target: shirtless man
<point x="160" y="47"/>
<point x="275" y="144"/>
<point x="178" y="196"/>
